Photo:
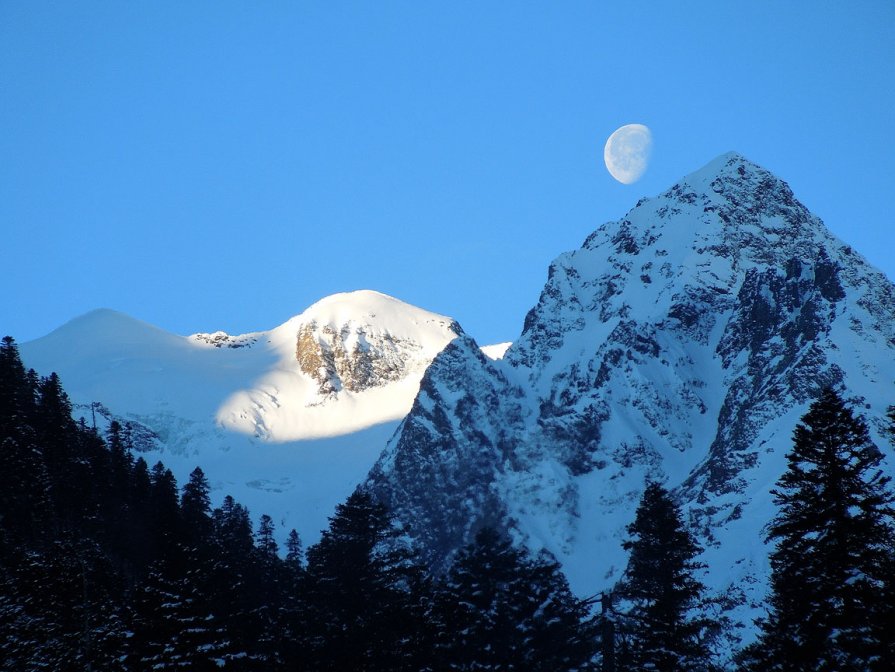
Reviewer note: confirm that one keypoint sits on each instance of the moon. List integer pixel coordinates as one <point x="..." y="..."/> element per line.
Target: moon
<point x="627" y="152"/>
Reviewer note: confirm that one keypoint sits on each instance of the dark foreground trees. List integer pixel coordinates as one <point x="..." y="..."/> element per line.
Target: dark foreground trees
<point x="500" y="609"/>
<point x="106" y="565"/>
<point x="660" y="593"/>
<point x="362" y="594"/>
<point x="831" y="581"/>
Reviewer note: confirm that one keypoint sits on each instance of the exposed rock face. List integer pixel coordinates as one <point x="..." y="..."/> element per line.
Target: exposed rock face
<point x="350" y="358"/>
<point x="451" y="449"/>
<point x="681" y="343"/>
<point x="350" y="361"/>
<point x="221" y="339"/>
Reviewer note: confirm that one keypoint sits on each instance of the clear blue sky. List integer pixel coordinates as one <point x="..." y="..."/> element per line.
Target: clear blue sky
<point x="218" y="165"/>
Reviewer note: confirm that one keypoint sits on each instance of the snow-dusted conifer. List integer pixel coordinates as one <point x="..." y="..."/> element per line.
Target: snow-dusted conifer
<point x="659" y="629"/>
<point x="833" y="550"/>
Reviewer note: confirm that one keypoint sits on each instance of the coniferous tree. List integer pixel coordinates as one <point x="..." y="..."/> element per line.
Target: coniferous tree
<point x="291" y="615"/>
<point x="195" y="508"/>
<point x="658" y="628"/>
<point x="17" y="391"/>
<point x="164" y="511"/>
<point x="832" y="558"/>
<point x="236" y="578"/>
<point x="174" y="626"/>
<point x="358" y="593"/>
<point x="141" y="550"/>
<point x="264" y="539"/>
<point x="85" y="530"/>
<point x="499" y="609"/>
<point x="269" y="580"/>
<point x="562" y="634"/>
<point x="58" y="611"/>
<point x="117" y="505"/>
<point x="294" y="554"/>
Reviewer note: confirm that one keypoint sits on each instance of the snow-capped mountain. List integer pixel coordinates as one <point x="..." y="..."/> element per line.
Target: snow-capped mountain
<point x="288" y="421"/>
<point x="681" y="343"/>
<point x="348" y="362"/>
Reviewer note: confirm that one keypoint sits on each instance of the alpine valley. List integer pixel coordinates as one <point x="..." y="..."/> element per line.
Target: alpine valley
<point x="680" y="344"/>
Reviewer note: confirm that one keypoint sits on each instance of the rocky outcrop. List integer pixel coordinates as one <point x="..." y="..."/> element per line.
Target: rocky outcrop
<point x="221" y="339"/>
<point x="351" y="358"/>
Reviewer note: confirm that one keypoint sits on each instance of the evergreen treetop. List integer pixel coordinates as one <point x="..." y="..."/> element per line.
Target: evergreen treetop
<point x="833" y="550"/>
<point x="659" y="628"/>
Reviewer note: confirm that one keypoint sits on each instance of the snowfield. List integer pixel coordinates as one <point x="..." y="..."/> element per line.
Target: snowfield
<point x="241" y="407"/>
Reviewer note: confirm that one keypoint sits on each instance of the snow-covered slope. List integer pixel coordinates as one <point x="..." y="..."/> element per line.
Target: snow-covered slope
<point x="348" y="362"/>
<point x="288" y="421"/>
<point x="681" y="343"/>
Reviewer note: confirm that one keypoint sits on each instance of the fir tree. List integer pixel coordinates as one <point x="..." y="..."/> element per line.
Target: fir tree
<point x="291" y="614"/>
<point x="58" y="611"/>
<point x="265" y="541"/>
<point x="195" y="508"/>
<point x="294" y="553"/>
<point x="270" y="579"/>
<point x="659" y="629"/>
<point x="499" y="609"/>
<point x="17" y="391"/>
<point x="164" y="510"/>
<point x="121" y="465"/>
<point x="174" y="626"/>
<point x="832" y="558"/>
<point x="358" y="591"/>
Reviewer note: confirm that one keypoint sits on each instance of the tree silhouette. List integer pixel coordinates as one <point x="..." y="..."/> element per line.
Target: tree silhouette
<point x="832" y="559"/>
<point x="661" y="591"/>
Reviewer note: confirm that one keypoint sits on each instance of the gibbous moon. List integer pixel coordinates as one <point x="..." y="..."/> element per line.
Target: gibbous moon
<point x="627" y="152"/>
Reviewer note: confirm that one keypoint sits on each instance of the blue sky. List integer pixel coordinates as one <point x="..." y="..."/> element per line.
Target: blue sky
<point x="216" y="165"/>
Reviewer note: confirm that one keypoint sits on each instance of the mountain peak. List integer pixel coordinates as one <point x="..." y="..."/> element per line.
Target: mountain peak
<point x="734" y="183"/>
<point x="370" y="307"/>
<point x="728" y="166"/>
<point x="679" y="344"/>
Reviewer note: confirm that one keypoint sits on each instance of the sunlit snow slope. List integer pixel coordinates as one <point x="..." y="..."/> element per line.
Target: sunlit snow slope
<point x="288" y="421"/>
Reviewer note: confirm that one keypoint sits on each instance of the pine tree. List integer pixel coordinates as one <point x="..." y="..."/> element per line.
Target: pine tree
<point x="173" y="625"/>
<point x="265" y="541"/>
<point x="236" y="577"/>
<point x="562" y="635"/>
<point x="164" y="510"/>
<point x="269" y="579"/>
<point x="58" y="611"/>
<point x="195" y="508"/>
<point x="294" y="553"/>
<point x="17" y="391"/>
<point x="291" y="616"/>
<point x="497" y="608"/>
<point x="121" y="462"/>
<point x="659" y="631"/>
<point x="833" y="550"/>
<point x="358" y="590"/>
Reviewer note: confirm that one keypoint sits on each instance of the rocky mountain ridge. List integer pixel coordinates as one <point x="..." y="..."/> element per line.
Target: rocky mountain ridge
<point x="680" y="343"/>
